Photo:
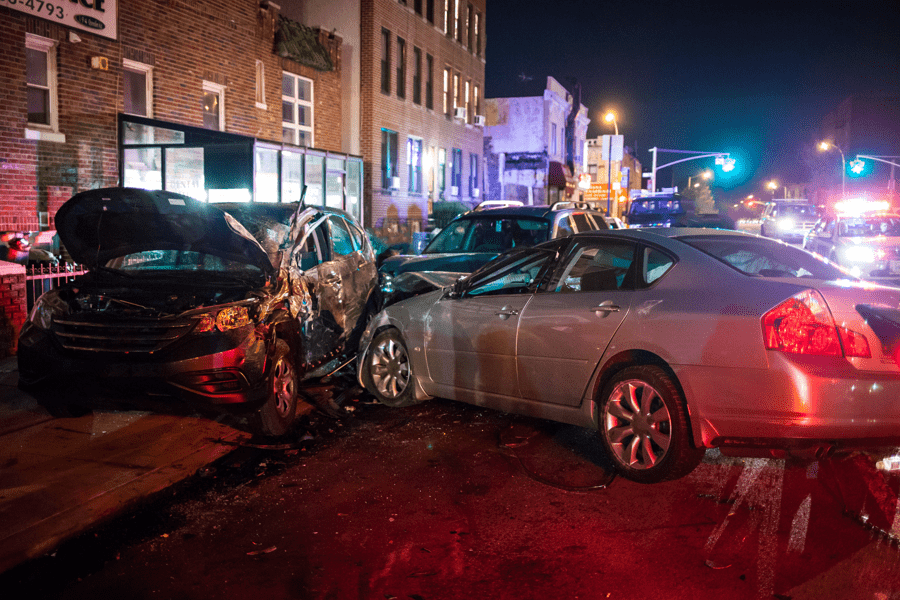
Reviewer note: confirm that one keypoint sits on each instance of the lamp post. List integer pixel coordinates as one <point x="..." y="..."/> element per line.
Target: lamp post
<point x="772" y="185"/>
<point x="825" y="146"/>
<point x="610" y="117"/>
<point x="722" y="158"/>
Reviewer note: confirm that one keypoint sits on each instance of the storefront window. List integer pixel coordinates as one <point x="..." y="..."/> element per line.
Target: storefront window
<point x="266" y="175"/>
<point x="143" y="168"/>
<point x="354" y="188"/>
<point x="315" y="179"/>
<point x="184" y="172"/>
<point x="334" y="183"/>
<point x="291" y="177"/>
<point x="135" y="133"/>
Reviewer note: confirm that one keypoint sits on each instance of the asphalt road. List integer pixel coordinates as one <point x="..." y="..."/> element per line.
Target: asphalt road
<point x="447" y="501"/>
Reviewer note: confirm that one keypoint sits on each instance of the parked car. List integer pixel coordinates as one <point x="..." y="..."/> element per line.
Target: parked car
<point x="28" y="248"/>
<point x="863" y="237"/>
<point x="228" y="306"/>
<point x="668" y="341"/>
<point x="474" y="238"/>
<point x="788" y="220"/>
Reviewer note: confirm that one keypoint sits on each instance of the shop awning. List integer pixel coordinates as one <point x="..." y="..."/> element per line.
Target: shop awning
<point x="560" y="176"/>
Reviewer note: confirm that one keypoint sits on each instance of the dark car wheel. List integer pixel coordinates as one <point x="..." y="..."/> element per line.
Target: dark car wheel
<point x="387" y="370"/>
<point x="644" y="427"/>
<point x="278" y="413"/>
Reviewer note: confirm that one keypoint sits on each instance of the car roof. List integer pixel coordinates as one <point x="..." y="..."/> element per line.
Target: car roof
<point x="667" y="232"/>
<point x="523" y="211"/>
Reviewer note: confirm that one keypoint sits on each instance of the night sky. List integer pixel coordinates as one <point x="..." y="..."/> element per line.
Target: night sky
<point x="751" y="78"/>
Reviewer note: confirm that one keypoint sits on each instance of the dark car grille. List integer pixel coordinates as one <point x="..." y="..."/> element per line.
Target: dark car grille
<point x="133" y="335"/>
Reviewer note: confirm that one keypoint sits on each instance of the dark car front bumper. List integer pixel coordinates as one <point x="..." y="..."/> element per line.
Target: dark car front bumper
<point x="229" y="370"/>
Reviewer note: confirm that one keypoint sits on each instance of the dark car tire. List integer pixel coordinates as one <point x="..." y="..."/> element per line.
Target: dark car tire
<point x="278" y="413"/>
<point x="387" y="370"/>
<point x="641" y="448"/>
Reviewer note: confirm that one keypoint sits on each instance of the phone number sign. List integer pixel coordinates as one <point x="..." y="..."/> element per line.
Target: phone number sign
<point x="95" y="16"/>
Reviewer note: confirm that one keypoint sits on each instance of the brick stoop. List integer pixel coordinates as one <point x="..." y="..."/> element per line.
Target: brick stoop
<point x="12" y="306"/>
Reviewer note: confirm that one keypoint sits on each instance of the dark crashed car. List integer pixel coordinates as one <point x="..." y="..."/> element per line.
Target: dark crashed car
<point x="223" y="305"/>
<point x="476" y="237"/>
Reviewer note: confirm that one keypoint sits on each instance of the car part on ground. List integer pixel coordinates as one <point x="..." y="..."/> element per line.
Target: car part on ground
<point x="740" y="342"/>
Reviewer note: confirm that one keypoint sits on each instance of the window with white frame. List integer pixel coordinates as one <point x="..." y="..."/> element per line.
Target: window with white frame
<point x="466" y="100"/>
<point x="213" y="106"/>
<point x="296" y="110"/>
<point x="260" y="84"/>
<point x="40" y="68"/>
<point x="414" y="164"/>
<point x="137" y="81"/>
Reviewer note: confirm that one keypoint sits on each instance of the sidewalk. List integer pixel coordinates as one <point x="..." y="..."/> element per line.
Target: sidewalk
<point x="61" y="477"/>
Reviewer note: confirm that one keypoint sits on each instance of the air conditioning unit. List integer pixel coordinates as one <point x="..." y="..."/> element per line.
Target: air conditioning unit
<point x="395" y="183"/>
<point x="479" y="120"/>
<point x="460" y="112"/>
<point x="454" y="190"/>
<point x="476" y="192"/>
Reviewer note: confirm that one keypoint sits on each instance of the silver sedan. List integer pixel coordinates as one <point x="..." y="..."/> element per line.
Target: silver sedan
<point x="666" y="341"/>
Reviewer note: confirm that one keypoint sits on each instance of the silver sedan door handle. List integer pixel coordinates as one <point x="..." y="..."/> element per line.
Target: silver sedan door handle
<point x="506" y="312"/>
<point x="606" y="308"/>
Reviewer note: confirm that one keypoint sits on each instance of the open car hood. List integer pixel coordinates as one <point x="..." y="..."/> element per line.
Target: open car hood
<point x="98" y="225"/>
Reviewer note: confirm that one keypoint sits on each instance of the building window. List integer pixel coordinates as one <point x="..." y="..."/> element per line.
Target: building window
<point x="417" y="6"/>
<point x="385" y="61"/>
<point x="469" y="24"/>
<point x="473" y="176"/>
<point x="213" y="106"/>
<point x="476" y="100"/>
<point x="446" y="91"/>
<point x="417" y="75"/>
<point x="478" y="34"/>
<point x="447" y="17"/>
<point x="414" y="164"/>
<point x="390" y="177"/>
<point x="553" y="139"/>
<point x="457" y="30"/>
<point x="260" y="84"/>
<point x="429" y="11"/>
<point x="401" y="68"/>
<point x="40" y="69"/>
<point x="137" y="82"/>
<point x="442" y="171"/>
<point x="455" y="90"/>
<point x="296" y="110"/>
<point x="456" y="170"/>
<point x="466" y="101"/>
<point x="429" y="81"/>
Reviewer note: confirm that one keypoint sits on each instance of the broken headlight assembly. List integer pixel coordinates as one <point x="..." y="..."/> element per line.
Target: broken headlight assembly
<point x="226" y="319"/>
<point x="46" y="308"/>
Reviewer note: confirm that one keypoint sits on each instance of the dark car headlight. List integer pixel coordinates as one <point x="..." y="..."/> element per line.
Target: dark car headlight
<point x="47" y="307"/>
<point x="226" y="319"/>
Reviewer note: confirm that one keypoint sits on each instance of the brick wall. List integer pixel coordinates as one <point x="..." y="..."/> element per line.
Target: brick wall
<point x="395" y="214"/>
<point x="12" y="306"/>
<point x="186" y="42"/>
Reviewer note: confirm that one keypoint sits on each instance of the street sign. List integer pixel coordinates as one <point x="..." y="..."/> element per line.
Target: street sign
<point x="617" y="150"/>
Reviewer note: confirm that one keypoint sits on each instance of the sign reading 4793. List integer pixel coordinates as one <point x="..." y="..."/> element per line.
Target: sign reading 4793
<point x="96" y="16"/>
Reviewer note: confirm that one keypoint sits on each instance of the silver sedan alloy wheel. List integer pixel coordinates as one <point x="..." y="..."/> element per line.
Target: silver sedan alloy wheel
<point x="389" y="367"/>
<point x="637" y="424"/>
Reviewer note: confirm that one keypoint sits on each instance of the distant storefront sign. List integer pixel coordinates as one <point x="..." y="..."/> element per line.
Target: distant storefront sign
<point x="95" y="16"/>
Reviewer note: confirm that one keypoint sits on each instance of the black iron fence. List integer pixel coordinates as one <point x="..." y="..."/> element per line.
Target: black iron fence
<point x="40" y="278"/>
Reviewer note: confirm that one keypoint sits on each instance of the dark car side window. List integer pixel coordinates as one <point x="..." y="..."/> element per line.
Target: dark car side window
<point x="517" y="273"/>
<point x="341" y="242"/>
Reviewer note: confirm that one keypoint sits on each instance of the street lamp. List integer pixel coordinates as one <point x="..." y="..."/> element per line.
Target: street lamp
<point x="825" y="146"/>
<point x="707" y="175"/>
<point x="772" y="185"/>
<point x="610" y="117"/>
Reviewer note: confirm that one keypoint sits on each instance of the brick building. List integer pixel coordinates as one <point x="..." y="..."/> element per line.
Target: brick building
<point x="217" y="99"/>
<point x="416" y="105"/>
<point x="190" y="96"/>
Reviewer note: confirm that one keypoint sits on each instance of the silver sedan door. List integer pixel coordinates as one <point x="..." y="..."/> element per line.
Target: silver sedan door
<point x="565" y="328"/>
<point x="471" y="342"/>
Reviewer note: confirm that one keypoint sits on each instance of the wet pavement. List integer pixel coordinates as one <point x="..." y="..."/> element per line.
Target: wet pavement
<point x="445" y="501"/>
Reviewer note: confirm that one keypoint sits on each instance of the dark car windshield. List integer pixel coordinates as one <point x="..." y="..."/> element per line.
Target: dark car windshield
<point x="762" y="257"/>
<point x="179" y="261"/>
<point x="489" y="234"/>
<point x="798" y="210"/>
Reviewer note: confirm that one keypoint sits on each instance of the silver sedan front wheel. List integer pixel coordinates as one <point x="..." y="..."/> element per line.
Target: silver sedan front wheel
<point x="388" y="370"/>
<point x="644" y="427"/>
